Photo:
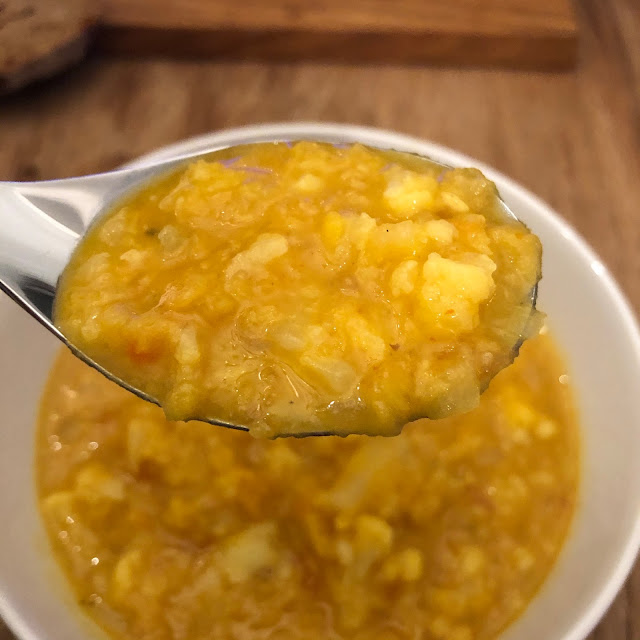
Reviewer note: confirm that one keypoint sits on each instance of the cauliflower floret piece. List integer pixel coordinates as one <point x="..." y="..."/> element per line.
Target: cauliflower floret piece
<point x="213" y="174"/>
<point x="453" y="202"/>
<point x="359" y="229"/>
<point x="397" y="241"/>
<point x="409" y="192"/>
<point x="337" y="374"/>
<point x="188" y="351"/>
<point x="403" y="278"/>
<point x="309" y="183"/>
<point x="94" y="267"/>
<point x="362" y="337"/>
<point x="441" y="231"/>
<point x="479" y="260"/>
<point x="345" y="236"/>
<point x="333" y="227"/>
<point x="95" y="482"/>
<point x="195" y="197"/>
<point x="290" y="337"/>
<point x="250" y="551"/>
<point x="453" y="292"/>
<point x="184" y="292"/>
<point x="170" y="238"/>
<point x="115" y="228"/>
<point x="267" y="247"/>
<point x="367" y="479"/>
<point x="136" y="260"/>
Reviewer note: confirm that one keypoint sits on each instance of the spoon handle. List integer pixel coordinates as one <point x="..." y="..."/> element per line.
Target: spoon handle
<point x="34" y="241"/>
<point x="40" y="225"/>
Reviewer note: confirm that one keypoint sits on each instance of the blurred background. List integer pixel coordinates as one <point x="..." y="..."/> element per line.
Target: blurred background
<point x="548" y="92"/>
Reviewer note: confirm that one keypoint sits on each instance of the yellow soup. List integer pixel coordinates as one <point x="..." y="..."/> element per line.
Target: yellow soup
<point x="182" y="531"/>
<point x="305" y="288"/>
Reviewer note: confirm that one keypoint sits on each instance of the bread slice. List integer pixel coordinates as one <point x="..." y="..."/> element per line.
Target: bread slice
<point x="41" y="37"/>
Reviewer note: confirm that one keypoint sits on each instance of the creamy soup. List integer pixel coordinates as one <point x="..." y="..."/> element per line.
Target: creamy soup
<point x="185" y="531"/>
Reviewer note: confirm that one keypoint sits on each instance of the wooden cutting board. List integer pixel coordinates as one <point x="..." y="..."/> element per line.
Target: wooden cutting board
<point x="535" y="34"/>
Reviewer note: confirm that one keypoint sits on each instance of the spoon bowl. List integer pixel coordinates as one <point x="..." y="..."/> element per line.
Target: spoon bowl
<point x="41" y="223"/>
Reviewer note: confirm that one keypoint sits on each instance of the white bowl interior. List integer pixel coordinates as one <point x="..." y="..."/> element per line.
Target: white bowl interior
<point x="587" y="314"/>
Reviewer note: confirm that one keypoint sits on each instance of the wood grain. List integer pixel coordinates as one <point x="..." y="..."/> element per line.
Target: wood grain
<point x="516" y="33"/>
<point x="572" y="138"/>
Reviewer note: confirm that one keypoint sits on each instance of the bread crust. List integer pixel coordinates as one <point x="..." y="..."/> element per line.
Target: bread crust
<point x="39" y="38"/>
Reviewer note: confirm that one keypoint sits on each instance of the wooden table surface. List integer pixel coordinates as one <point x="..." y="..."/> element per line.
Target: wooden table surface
<point x="572" y="138"/>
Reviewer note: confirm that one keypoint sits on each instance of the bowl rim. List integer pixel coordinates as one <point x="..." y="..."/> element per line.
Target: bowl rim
<point x="334" y="132"/>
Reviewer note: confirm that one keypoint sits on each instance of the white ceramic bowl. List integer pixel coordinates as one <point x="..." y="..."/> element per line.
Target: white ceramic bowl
<point x="588" y="315"/>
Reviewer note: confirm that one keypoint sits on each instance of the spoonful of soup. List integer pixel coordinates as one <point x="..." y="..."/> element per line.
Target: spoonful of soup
<point x="281" y="288"/>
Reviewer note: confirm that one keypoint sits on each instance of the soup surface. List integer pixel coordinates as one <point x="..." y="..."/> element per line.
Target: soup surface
<point x="185" y="531"/>
<point x="305" y="288"/>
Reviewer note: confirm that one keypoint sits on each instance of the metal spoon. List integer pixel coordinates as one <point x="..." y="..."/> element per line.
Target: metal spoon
<point x="42" y="222"/>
